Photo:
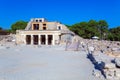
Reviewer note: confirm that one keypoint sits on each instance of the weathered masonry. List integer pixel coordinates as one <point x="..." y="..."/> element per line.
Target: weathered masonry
<point x="41" y="32"/>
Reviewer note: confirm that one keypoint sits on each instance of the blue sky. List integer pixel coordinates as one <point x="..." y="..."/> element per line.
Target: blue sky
<point x="65" y="11"/>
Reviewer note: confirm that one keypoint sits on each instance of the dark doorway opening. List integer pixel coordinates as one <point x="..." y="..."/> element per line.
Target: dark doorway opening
<point x="28" y="39"/>
<point x="35" y="39"/>
<point x="43" y="40"/>
<point x="50" y="37"/>
<point x="35" y="26"/>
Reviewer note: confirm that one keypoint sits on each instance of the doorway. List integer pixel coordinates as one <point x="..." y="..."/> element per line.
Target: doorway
<point x="43" y="40"/>
<point x="28" y="39"/>
<point x="35" y="39"/>
<point x="50" y="37"/>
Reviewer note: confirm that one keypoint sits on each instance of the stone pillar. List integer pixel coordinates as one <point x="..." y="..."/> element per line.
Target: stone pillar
<point x="24" y="39"/>
<point x="39" y="39"/>
<point x="31" y="39"/>
<point x="46" y="42"/>
<point x="53" y="41"/>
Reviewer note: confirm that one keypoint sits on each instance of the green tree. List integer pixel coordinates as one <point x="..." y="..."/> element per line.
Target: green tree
<point x="94" y="29"/>
<point x="103" y="28"/>
<point x="19" y="25"/>
<point x="85" y="29"/>
<point x="115" y="33"/>
<point x="90" y="28"/>
<point x="92" y="23"/>
<point x="78" y="28"/>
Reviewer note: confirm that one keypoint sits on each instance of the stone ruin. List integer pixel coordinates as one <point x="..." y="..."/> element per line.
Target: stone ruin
<point x="105" y="55"/>
<point x="7" y="39"/>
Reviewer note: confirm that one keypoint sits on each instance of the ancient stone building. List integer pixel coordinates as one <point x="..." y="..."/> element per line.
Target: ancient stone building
<point x="39" y="31"/>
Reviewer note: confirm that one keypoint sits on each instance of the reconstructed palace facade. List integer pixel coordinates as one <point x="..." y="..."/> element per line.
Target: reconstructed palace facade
<point x="41" y="32"/>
